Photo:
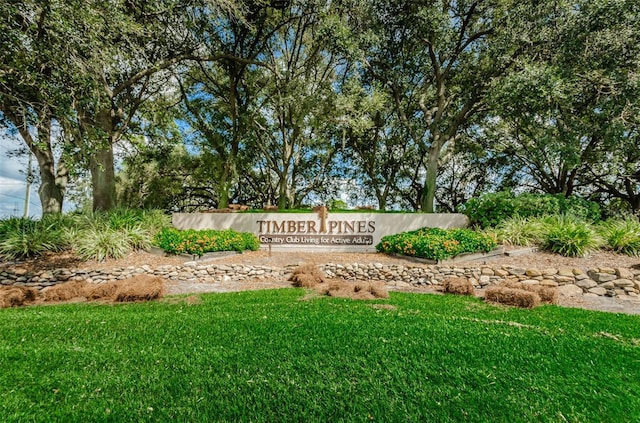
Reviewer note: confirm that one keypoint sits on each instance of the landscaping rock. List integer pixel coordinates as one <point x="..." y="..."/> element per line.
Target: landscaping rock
<point x="621" y="283"/>
<point x="586" y="284"/>
<point x="623" y="273"/>
<point x="598" y="291"/>
<point x="565" y="271"/>
<point x="602" y="276"/>
<point x="570" y="291"/>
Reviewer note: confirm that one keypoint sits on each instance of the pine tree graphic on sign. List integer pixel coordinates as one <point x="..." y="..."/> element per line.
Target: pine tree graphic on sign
<point x="323" y="213"/>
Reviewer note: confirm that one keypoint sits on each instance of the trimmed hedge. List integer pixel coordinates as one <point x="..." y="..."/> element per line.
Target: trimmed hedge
<point x="489" y="210"/>
<point x="436" y="243"/>
<point x="191" y="241"/>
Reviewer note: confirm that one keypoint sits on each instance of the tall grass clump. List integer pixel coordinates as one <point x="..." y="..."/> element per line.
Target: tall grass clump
<point x="97" y="243"/>
<point x="521" y="231"/>
<point x="21" y="238"/>
<point x="570" y="237"/>
<point x="93" y="235"/>
<point x="622" y="235"/>
<point x="102" y="235"/>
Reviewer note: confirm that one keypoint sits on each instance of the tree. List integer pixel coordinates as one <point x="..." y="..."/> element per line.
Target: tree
<point x="298" y="101"/>
<point x="373" y="143"/>
<point x="567" y="118"/>
<point x="438" y="61"/>
<point x="218" y="95"/>
<point x="32" y="96"/>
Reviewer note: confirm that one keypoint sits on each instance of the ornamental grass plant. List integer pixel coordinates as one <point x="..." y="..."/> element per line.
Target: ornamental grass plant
<point x="92" y="236"/>
<point x="569" y="236"/>
<point x="622" y="235"/>
<point x="21" y="238"/>
<point x="522" y="231"/>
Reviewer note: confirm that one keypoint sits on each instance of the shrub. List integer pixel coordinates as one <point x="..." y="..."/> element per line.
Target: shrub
<point x="491" y="209"/>
<point x="570" y="237"/>
<point x="191" y="241"/>
<point x="512" y="296"/>
<point x="622" y="235"/>
<point x="436" y="243"/>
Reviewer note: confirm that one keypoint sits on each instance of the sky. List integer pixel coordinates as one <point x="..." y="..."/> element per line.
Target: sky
<point x="13" y="182"/>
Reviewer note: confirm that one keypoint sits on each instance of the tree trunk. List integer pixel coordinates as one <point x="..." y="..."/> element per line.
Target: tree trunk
<point x="224" y="188"/>
<point x="52" y="184"/>
<point x="282" y="192"/>
<point x="429" y="192"/>
<point x="103" y="178"/>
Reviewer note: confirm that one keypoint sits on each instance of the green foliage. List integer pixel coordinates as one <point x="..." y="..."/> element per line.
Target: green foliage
<point x="522" y="231"/>
<point x="337" y="204"/>
<point x="421" y="358"/>
<point x="436" y="243"/>
<point x="101" y="243"/>
<point x="26" y="242"/>
<point x="21" y="238"/>
<point x="622" y="235"/>
<point x="91" y="235"/>
<point x="571" y="237"/>
<point x="191" y="241"/>
<point x="491" y="209"/>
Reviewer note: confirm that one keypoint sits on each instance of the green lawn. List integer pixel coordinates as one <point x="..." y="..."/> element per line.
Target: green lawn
<point x="269" y="356"/>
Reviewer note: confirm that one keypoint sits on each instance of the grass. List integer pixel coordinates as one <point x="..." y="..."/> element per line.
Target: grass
<point x="270" y="356"/>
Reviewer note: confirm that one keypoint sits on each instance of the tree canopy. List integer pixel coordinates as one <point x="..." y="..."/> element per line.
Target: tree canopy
<point x="194" y="104"/>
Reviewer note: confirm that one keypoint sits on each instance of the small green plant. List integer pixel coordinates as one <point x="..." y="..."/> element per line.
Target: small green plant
<point x="191" y="241"/>
<point x="571" y="237"/>
<point x="436" y="243"/>
<point x="622" y="235"/>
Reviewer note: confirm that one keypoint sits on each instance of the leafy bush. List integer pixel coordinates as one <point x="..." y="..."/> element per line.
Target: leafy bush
<point x="622" y="235"/>
<point x="191" y="241"/>
<point x="571" y="237"/>
<point x="491" y="209"/>
<point x="436" y="243"/>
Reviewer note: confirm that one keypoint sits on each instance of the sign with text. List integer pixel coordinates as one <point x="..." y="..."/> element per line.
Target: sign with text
<point x="321" y="231"/>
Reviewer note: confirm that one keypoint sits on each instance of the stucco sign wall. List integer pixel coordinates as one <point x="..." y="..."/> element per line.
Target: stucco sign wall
<point x="321" y="230"/>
